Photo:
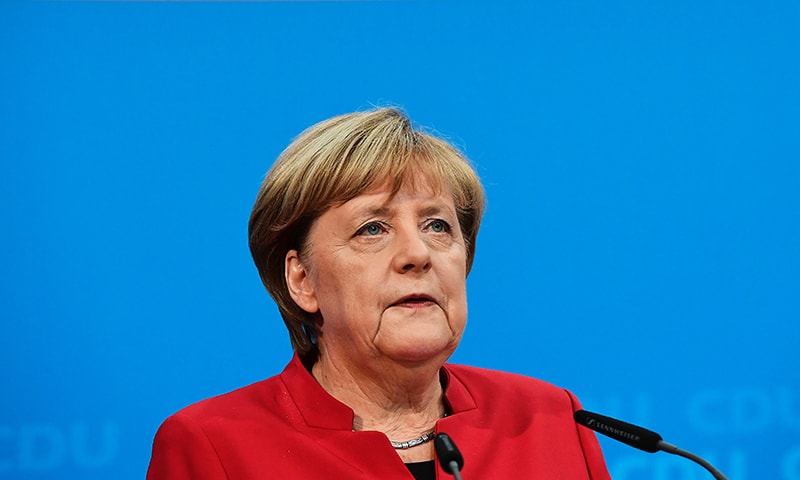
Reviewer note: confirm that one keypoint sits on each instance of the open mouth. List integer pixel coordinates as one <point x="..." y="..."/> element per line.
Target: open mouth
<point x="414" y="301"/>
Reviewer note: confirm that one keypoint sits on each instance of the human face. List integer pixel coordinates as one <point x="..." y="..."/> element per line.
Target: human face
<point x="387" y="275"/>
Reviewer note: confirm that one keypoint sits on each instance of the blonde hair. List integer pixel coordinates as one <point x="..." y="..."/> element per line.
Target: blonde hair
<point x="335" y="161"/>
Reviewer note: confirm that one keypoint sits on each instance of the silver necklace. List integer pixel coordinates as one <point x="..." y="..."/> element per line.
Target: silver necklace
<point x="413" y="442"/>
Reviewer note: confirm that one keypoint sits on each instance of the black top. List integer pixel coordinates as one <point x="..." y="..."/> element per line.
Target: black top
<point x="423" y="470"/>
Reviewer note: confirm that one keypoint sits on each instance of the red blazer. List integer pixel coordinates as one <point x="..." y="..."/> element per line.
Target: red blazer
<point x="287" y="427"/>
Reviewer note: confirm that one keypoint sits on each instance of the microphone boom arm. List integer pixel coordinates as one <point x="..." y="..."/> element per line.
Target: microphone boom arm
<point x="670" y="448"/>
<point x="638" y="437"/>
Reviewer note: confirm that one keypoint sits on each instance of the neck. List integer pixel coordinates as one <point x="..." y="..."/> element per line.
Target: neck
<point x="402" y="401"/>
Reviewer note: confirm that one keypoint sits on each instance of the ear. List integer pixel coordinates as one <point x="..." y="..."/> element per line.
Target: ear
<point x="298" y="282"/>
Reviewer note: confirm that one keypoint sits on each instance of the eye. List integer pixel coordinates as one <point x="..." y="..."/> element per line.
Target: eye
<point x="371" y="229"/>
<point x="439" y="226"/>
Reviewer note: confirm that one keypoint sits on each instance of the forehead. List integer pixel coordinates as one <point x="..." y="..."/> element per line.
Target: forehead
<point x="416" y="188"/>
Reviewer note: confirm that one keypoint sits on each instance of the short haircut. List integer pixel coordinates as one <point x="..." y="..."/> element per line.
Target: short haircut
<point x="335" y="161"/>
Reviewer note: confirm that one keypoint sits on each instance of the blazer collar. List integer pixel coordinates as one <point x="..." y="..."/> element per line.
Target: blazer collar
<point x="319" y="409"/>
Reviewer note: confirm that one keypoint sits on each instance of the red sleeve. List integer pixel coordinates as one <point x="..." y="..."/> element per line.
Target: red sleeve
<point x="595" y="463"/>
<point x="182" y="451"/>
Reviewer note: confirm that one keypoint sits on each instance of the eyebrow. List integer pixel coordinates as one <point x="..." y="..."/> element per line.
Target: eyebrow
<point x="374" y="212"/>
<point x="387" y="211"/>
<point x="433" y="210"/>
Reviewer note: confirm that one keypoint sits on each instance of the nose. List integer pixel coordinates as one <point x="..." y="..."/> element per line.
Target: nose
<point x="412" y="254"/>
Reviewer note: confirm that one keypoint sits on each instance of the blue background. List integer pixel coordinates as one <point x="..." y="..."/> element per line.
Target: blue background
<point x="640" y="245"/>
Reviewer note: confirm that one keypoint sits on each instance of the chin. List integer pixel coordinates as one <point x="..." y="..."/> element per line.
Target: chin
<point x="422" y="351"/>
<point x="418" y="342"/>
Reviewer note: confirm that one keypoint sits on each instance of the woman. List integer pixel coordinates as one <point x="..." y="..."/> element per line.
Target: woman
<point x="364" y="232"/>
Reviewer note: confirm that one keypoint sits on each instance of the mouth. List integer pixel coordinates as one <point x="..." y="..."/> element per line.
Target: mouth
<point x="415" y="300"/>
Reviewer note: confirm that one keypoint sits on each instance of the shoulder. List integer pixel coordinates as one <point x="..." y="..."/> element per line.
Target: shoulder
<point x="249" y="403"/>
<point x="499" y="379"/>
<point x="213" y="435"/>
<point x="494" y="386"/>
<point x="220" y="420"/>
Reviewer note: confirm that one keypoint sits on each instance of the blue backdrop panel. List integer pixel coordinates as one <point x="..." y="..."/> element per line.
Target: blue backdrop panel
<point x="640" y="245"/>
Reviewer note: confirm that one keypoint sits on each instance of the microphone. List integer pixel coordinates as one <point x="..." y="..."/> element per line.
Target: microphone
<point x="638" y="437"/>
<point x="449" y="457"/>
<point x="632" y="435"/>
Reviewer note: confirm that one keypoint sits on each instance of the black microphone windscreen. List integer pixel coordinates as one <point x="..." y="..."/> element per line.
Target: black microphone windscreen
<point x="632" y="435"/>
<point x="447" y="452"/>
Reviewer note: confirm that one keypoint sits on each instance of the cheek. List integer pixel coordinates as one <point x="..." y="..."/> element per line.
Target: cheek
<point x="342" y="289"/>
<point x="459" y="309"/>
<point x="458" y="294"/>
<point x="457" y="280"/>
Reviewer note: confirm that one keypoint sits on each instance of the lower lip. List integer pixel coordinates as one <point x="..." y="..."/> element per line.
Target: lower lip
<point x="415" y="304"/>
